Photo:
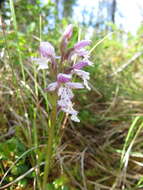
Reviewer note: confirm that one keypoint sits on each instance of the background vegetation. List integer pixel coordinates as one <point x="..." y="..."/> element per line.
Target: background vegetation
<point x="103" y="151"/>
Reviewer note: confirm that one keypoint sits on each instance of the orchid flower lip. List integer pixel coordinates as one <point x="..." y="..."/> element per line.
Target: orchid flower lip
<point x="65" y="92"/>
<point x="85" y="76"/>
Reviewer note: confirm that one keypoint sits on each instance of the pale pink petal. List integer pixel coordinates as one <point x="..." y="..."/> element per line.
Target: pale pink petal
<point x="74" y="85"/>
<point x="47" y="50"/>
<point x="81" y="73"/>
<point x="69" y="93"/>
<point x="41" y="62"/>
<point x="82" y="44"/>
<point x="43" y="66"/>
<point x="69" y="110"/>
<point x="53" y="86"/>
<point x="81" y="52"/>
<point x="80" y="65"/>
<point x="85" y="82"/>
<point x="75" y="118"/>
<point x="84" y="76"/>
<point x="90" y="63"/>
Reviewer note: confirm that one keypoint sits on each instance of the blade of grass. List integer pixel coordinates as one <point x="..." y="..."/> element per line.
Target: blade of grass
<point x="99" y="42"/>
<point x="127" y="140"/>
<point x="17" y="36"/>
<point x="127" y="153"/>
<point x="133" y="132"/>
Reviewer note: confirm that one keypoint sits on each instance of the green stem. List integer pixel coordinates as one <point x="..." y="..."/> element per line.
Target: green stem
<point x="17" y="37"/>
<point x="36" y="145"/>
<point x="49" y="151"/>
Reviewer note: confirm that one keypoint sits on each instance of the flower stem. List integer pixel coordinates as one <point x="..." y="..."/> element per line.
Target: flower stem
<point x="49" y="151"/>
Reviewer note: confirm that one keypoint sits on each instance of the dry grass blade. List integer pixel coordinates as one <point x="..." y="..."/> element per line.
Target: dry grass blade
<point x="22" y="176"/>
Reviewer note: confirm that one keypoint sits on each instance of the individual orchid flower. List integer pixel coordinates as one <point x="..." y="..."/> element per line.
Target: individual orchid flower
<point x="64" y="88"/>
<point x="79" y="50"/>
<point x="85" y="76"/>
<point x="47" y="51"/>
<point x="63" y="79"/>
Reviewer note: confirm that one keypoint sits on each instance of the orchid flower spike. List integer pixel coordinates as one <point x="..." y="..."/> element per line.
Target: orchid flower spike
<point x="66" y="70"/>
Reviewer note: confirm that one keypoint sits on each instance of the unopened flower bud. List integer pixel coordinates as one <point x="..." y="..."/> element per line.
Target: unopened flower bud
<point x="68" y="32"/>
